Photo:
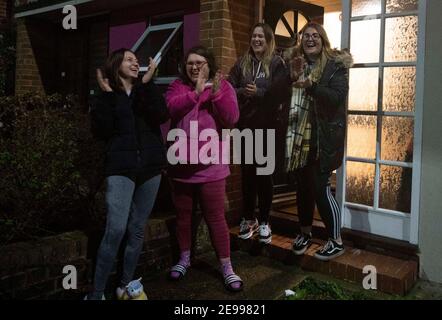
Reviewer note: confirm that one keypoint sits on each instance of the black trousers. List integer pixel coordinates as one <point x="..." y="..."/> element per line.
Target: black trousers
<point x="313" y="187"/>
<point x="253" y="186"/>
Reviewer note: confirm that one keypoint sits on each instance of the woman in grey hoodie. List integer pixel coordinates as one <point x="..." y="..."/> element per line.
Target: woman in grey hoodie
<point x="252" y="76"/>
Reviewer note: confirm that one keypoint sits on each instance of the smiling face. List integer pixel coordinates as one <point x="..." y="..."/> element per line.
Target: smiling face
<point x="129" y="68"/>
<point x="312" y="43"/>
<point x="194" y="65"/>
<point x="258" y="42"/>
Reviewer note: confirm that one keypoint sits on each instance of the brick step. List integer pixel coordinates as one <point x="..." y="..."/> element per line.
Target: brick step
<point x="284" y="199"/>
<point x="285" y="222"/>
<point x="285" y="195"/>
<point x="394" y="276"/>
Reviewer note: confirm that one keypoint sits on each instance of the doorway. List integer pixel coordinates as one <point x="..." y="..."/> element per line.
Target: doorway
<point x="378" y="185"/>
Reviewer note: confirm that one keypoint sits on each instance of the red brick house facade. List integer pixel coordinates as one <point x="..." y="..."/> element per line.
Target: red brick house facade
<point x="51" y="59"/>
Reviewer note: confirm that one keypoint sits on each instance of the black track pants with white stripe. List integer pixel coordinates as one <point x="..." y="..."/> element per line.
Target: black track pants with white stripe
<point x="313" y="187"/>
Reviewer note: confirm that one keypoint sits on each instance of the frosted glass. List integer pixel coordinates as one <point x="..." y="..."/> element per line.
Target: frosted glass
<point x="361" y="137"/>
<point x="401" y="39"/>
<point x="394" y="6"/>
<point x="360" y="183"/>
<point x="365" y="40"/>
<point x="365" y="7"/>
<point x="397" y="139"/>
<point x="363" y="94"/>
<point x="399" y="89"/>
<point x="395" y="188"/>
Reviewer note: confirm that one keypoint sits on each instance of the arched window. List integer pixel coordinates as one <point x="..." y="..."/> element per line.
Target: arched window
<point x="288" y="26"/>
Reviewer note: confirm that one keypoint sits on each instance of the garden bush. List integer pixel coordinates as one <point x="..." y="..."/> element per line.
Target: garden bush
<point x="50" y="166"/>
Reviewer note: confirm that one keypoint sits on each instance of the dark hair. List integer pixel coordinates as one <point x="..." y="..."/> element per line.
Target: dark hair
<point x="112" y="68"/>
<point x="201" y="51"/>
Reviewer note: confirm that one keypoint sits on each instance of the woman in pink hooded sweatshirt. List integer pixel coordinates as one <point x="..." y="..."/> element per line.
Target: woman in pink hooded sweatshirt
<point x="201" y="102"/>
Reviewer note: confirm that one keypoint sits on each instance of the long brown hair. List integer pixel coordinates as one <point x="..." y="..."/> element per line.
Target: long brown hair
<point x="112" y="68"/>
<point x="247" y="64"/>
<point x="327" y="52"/>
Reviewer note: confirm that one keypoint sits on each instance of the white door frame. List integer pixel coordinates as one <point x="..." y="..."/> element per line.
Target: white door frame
<point x="388" y="223"/>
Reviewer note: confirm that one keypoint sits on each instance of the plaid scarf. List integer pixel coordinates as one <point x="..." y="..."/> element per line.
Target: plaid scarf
<point x="299" y="129"/>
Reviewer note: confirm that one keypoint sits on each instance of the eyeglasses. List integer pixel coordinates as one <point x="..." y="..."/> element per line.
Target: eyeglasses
<point x="314" y="36"/>
<point x="197" y="64"/>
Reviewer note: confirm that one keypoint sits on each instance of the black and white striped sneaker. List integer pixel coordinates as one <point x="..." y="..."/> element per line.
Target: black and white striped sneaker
<point x="247" y="228"/>
<point x="331" y="250"/>
<point x="301" y="243"/>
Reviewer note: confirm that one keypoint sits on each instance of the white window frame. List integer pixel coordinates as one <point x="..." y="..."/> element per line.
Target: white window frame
<point x="163" y="50"/>
<point x="389" y="223"/>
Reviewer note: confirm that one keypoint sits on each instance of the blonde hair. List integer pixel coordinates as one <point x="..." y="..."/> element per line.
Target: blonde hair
<point x="247" y="62"/>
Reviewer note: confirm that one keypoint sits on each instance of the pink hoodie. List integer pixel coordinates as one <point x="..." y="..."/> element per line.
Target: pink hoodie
<point x="211" y="111"/>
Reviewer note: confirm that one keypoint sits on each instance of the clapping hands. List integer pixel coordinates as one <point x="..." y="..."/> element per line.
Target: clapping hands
<point x="203" y="76"/>
<point x="297" y="67"/>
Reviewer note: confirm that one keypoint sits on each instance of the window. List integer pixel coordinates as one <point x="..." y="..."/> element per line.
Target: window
<point x="382" y="166"/>
<point x="288" y="27"/>
<point x="164" y="43"/>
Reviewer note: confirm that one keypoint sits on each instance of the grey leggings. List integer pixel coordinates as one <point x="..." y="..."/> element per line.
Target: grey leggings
<point x="128" y="208"/>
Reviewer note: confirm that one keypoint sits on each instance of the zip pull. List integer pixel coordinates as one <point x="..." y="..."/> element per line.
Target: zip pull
<point x="257" y="71"/>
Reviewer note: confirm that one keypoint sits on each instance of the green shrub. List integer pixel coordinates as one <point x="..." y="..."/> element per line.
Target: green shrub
<point x="313" y="289"/>
<point x="50" y="166"/>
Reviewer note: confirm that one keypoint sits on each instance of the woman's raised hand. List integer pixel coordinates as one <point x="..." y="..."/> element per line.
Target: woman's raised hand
<point x="152" y="66"/>
<point x="103" y="82"/>
<point x="297" y="67"/>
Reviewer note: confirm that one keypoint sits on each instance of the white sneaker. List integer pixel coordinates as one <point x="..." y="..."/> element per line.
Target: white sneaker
<point x="265" y="233"/>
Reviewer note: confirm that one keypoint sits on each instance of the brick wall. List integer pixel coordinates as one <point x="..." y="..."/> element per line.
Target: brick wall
<point x="3" y="11"/>
<point x="98" y="50"/>
<point x="224" y="28"/>
<point x="34" y="270"/>
<point x="28" y="77"/>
